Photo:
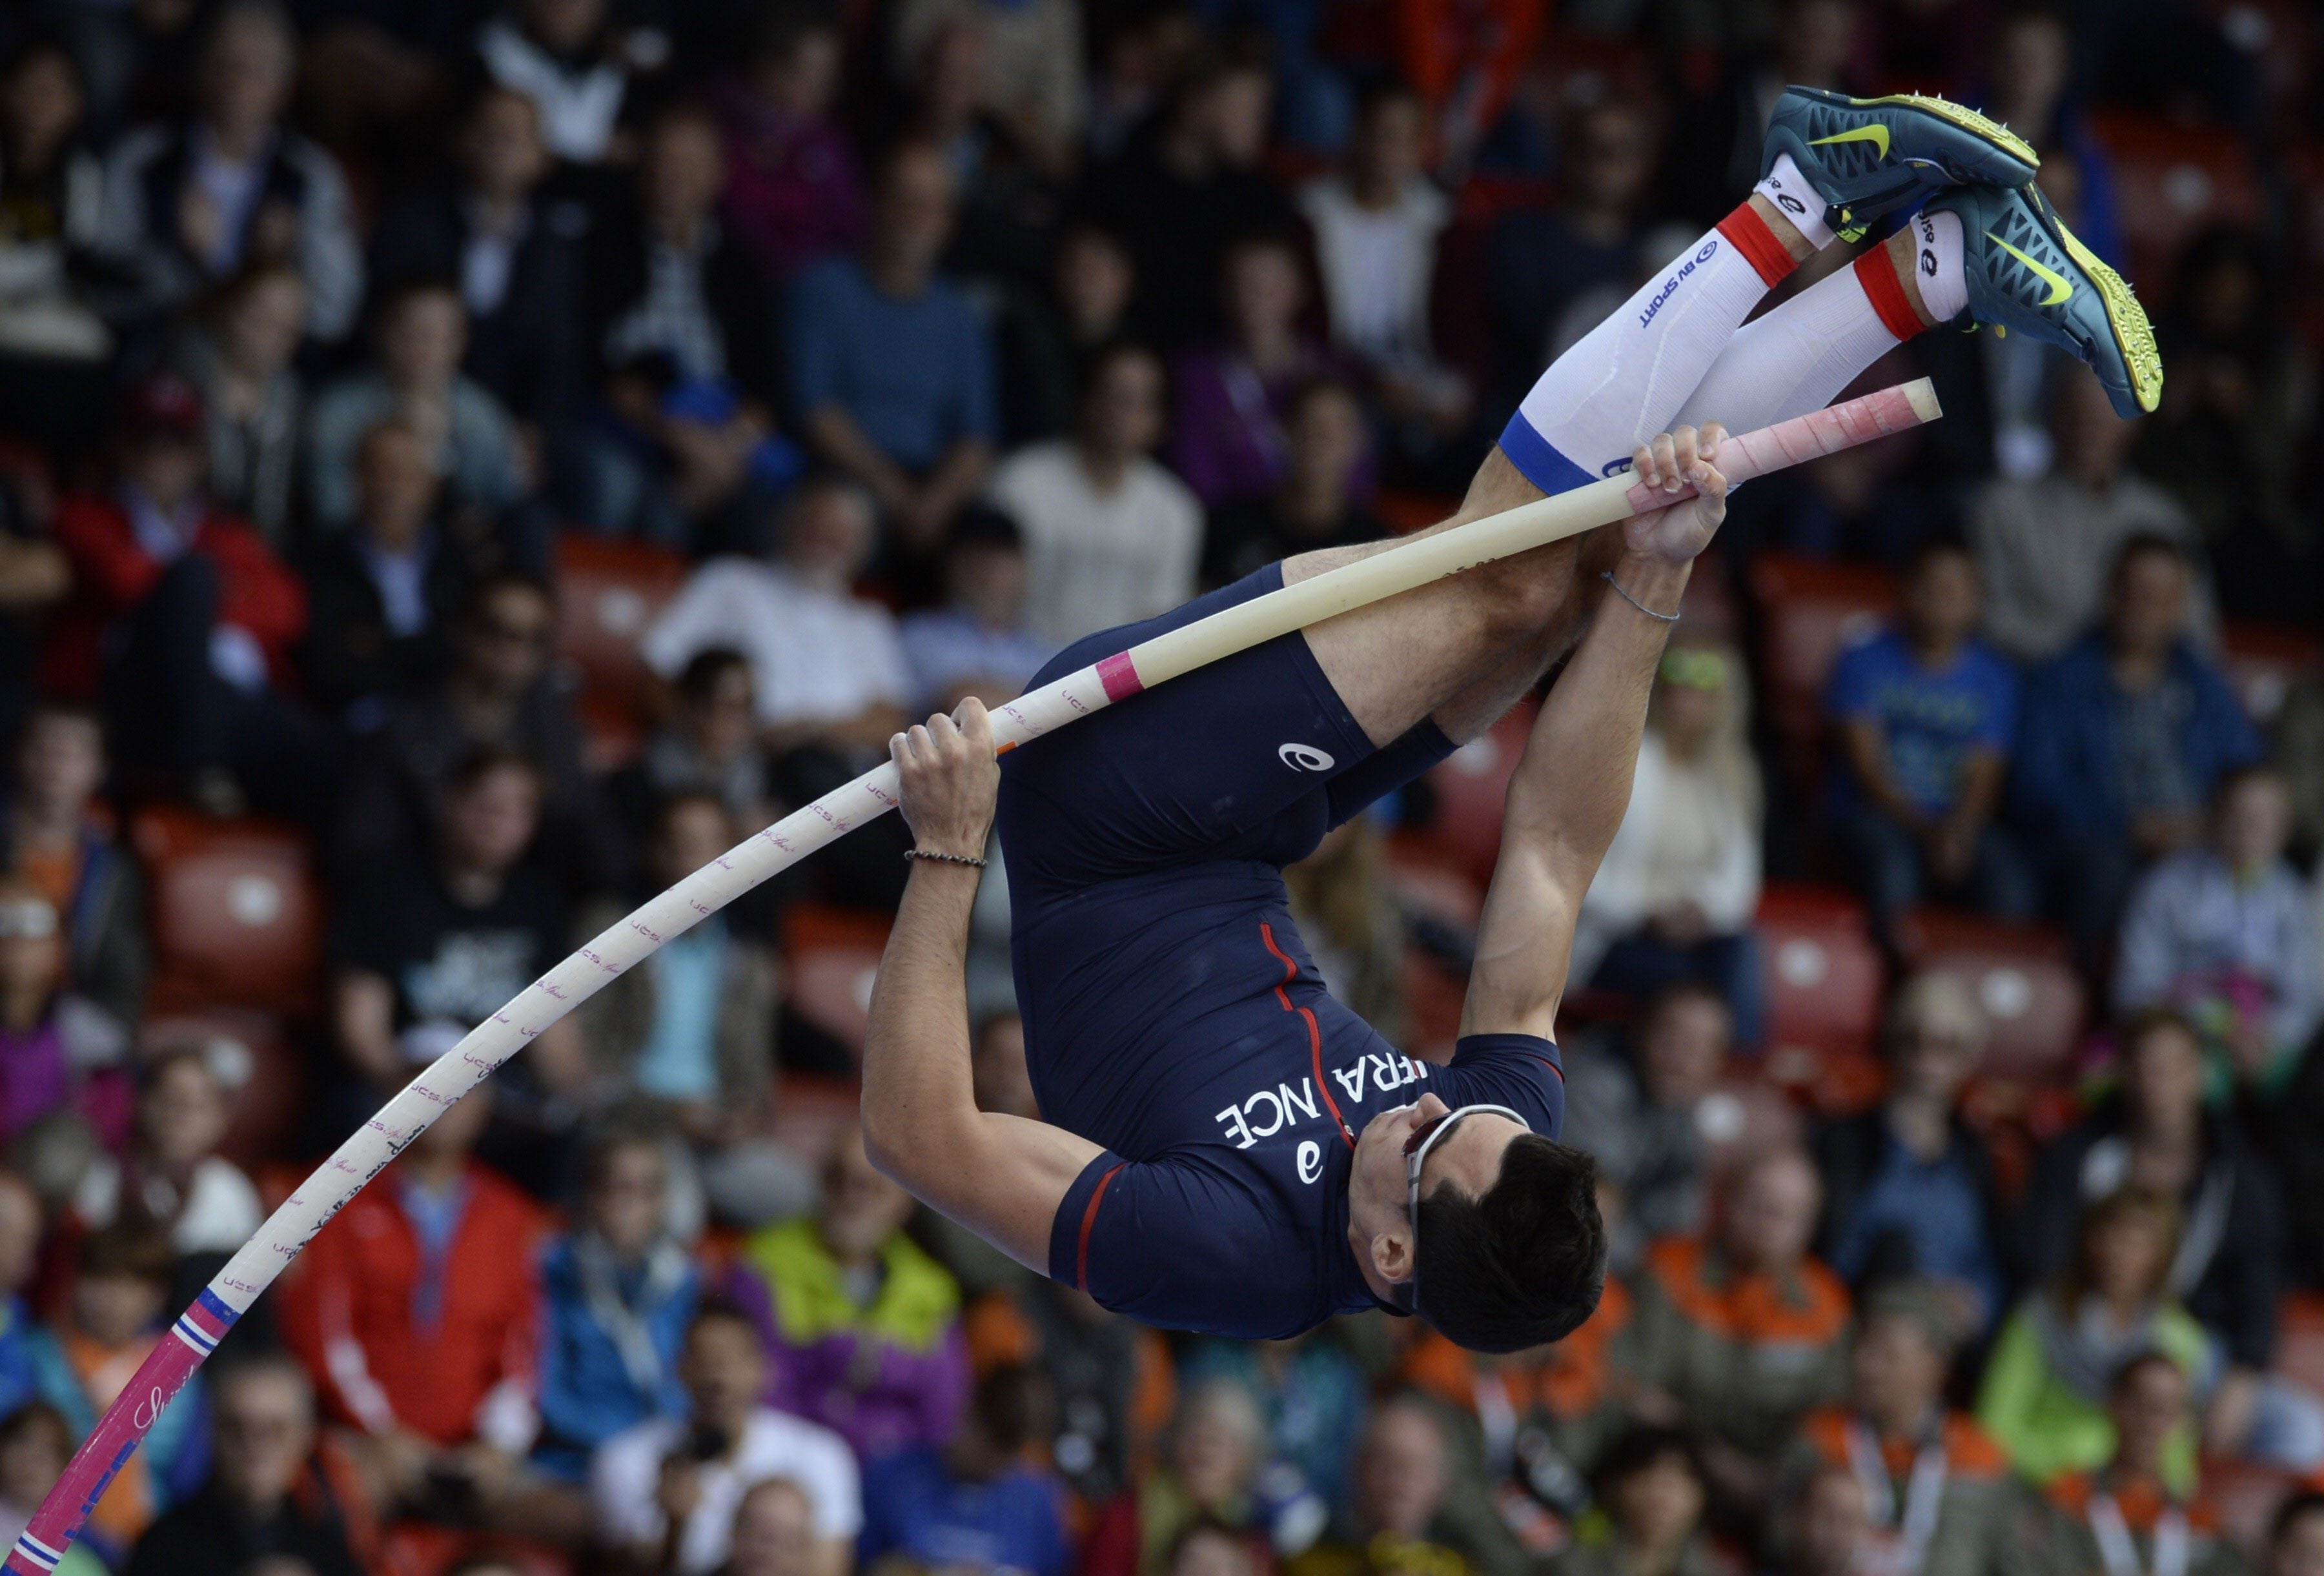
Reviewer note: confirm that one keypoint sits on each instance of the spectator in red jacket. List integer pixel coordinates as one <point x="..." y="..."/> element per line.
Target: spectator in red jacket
<point x="418" y="1311"/>
<point x="182" y="620"/>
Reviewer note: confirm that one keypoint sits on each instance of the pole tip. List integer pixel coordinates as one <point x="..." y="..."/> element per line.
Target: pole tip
<point x="1921" y="395"/>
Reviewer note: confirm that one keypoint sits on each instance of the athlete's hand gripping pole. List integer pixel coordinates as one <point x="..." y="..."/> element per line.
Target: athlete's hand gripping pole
<point x="710" y="889"/>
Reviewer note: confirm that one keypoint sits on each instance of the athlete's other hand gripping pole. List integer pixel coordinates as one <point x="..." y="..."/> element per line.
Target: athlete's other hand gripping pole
<point x="369" y="1150"/>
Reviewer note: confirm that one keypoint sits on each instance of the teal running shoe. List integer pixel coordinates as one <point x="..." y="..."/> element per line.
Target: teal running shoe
<point x="1867" y="157"/>
<point x="2027" y="274"/>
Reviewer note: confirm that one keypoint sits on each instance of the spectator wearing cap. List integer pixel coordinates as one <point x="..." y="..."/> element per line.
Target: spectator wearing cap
<point x="688" y="1034"/>
<point x="466" y="434"/>
<point x="1673" y="899"/>
<point x="665" y="1492"/>
<point x="515" y="250"/>
<point x="683" y="340"/>
<point x="1111" y="537"/>
<point x="417" y="1311"/>
<point x="1655" y="1494"/>
<point x="2132" y="1513"/>
<point x="2158" y="1134"/>
<point x="273" y="1490"/>
<point x="1231" y="399"/>
<point x="425" y="949"/>
<point x="1738" y="1330"/>
<point x="794" y="192"/>
<point x="1316" y="506"/>
<point x="385" y="591"/>
<point x="862" y="1325"/>
<point x="573" y="62"/>
<point x="620" y="1290"/>
<point x="888" y="367"/>
<point x="2226" y="931"/>
<point x="979" y="642"/>
<point x="60" y="841"/>
<point x="2124" y="738"/>
<point x="238" y="353"/>
<point x="501" y="693"/>
<point x="183" y="619"/>
<point x="113" y="1321"/>
<point x="188" y="202"/>
<point x="1938" y="1490"/>
<point x="978" y="1503"/>
<point x="1909" y="1188"/>
<point x="1927" y="716"/>
<point x="1638" y="1109"/>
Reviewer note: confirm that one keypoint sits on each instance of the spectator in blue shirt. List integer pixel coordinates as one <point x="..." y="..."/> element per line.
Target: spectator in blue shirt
<point x="1925" y="713"/>
<point x="974" y="1505"/>
<point x="618" y="1294"/>
<point x="978" y="642"/>
<point x="2126" y="736"/>
<point x="890" y="369"/>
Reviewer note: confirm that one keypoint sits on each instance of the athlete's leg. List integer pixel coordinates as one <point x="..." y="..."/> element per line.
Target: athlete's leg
<point x="1797" y="358"/>
<point x="1398" y="661"/>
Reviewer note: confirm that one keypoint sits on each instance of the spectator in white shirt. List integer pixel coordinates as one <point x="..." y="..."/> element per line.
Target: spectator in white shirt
<point x="666" y="1492"/>
<point x="1111" y="537"/>
<point x="826" y="665"/>
<point x="2223" y="931"/>
<point x="976" y="643"/>
<point x="1376" y="229"/>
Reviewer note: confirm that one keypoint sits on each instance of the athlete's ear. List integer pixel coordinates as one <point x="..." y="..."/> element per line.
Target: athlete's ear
<point x="1392" y="1255"/>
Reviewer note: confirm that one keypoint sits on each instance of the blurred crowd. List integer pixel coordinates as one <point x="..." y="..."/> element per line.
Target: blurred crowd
<point x="486" y="460"/>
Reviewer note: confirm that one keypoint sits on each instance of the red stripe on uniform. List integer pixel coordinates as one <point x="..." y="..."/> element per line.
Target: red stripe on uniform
<point x="1089" y="1219"/>
<point x="1315" y="1030"/>
<point x="1751" y="236"/>
<point x="1119" y="674"/>
<point x="1886" y="291"/>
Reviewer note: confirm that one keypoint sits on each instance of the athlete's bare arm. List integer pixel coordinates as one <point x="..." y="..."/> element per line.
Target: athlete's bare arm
<point x="1567" y="797"/>
<point x="1001" y="1176"/>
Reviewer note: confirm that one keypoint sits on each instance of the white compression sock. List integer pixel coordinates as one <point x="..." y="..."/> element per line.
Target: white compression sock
<point x="1799" y="356"/>
<point x="1621" y="382"/>
<point x="1789" y="190"/>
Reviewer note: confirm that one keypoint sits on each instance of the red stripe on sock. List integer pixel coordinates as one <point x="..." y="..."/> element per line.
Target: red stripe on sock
<point x="1886" y="291"/>
<point x="1751" y="236"/>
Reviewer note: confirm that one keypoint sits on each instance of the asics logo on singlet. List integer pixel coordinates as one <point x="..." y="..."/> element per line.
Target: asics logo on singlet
<point x="1670" y="285"/>
<point x="1304" y="758"/>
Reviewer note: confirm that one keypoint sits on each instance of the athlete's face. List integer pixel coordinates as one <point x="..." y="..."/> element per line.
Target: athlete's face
<point x="1380" y="1221"/>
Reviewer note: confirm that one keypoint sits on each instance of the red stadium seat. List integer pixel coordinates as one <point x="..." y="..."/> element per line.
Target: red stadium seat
<point x="1823" y="973"/>
<point x="235" y="913"/>
<point x="829" y="957"/>
<point x="2172" y="181"/>
<point x="1809" y="612"/>
<point x="2300" y="1343"/>
<point x="2032" y="998"/>
<point x="609" y="592"/>
<point x="2263" y="662"/>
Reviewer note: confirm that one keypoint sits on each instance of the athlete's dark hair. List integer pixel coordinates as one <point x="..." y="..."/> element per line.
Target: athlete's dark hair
<point x="1522" y="1265"/>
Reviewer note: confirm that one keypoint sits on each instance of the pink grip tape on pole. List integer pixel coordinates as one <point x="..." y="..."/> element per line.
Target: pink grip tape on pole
<point x="364" y="1154"/>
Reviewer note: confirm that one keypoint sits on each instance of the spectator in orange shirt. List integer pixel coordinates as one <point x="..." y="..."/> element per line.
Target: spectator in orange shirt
<point x="1937" y="1489"/>
<point x="418" y="1311"/>
<point x="183" y="619"/>
<point x="2122" y="1518"/>
<point x="1739" y="1332"/>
